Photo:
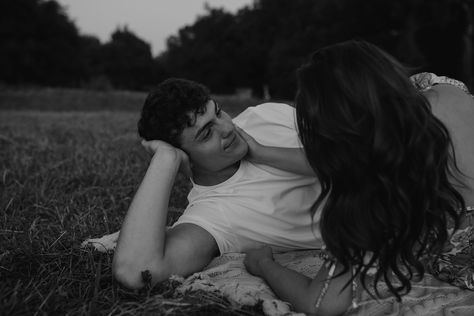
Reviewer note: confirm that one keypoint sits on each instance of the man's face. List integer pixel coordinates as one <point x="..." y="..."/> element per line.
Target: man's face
<point x="213" y="143"/>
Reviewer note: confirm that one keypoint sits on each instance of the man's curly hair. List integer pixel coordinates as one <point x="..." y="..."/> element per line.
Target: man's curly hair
<point x="167" y="108"/>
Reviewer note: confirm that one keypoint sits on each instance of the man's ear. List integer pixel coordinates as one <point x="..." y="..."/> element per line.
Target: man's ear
<point x="186" y="163"/>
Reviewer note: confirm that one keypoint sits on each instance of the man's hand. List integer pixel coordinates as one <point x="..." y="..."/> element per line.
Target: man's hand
<point x="153" y="146"/>
<point x="255" y="148"/>
<point x="255" y="259"/>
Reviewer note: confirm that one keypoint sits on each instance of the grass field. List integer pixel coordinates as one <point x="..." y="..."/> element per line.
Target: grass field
<point x="68" y="170"/>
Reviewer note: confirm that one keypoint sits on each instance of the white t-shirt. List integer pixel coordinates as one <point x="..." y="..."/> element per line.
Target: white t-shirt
<point x="259" y="204"/>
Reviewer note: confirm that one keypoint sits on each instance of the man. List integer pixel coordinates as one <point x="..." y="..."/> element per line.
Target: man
<point x="245" y="192"/>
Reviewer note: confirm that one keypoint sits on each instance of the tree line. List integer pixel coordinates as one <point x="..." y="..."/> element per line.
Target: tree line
<point x="259" y="47"/>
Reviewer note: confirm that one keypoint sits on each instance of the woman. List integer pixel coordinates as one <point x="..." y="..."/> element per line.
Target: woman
<point x="396" y="166"/>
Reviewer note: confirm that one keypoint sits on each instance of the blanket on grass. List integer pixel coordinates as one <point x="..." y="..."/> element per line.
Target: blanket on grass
<point x="227" y="275"/>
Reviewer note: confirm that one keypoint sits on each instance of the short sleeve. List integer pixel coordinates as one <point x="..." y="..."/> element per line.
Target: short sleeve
<point x="209" y="217"/>
<point x="271" y="124"/>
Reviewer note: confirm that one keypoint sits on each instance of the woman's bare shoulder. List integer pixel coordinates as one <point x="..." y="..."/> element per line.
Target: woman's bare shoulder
<point x="449" y="98"/>
<point x="455" y="108"/>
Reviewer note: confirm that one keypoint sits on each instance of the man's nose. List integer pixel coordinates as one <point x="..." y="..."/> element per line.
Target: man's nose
<point x="226" y="128"/>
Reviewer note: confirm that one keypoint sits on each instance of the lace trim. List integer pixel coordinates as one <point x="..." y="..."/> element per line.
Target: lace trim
<point x="426" y="80"/>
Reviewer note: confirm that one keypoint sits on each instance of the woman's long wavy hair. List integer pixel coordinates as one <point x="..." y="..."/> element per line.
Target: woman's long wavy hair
<point x="386" y="164"/>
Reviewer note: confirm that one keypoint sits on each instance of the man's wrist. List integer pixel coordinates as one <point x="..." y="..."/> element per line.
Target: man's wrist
<point x="165" y="160"/>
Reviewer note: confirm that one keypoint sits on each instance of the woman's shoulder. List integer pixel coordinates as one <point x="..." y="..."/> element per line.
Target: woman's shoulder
<point x="453" y="105"/>
<point x="448" y="97"/>
<point x="426" y="80"/>
<point x="444" y="93"/>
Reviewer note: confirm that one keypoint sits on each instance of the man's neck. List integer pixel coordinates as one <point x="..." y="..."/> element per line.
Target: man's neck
<point x="209" y="178"/>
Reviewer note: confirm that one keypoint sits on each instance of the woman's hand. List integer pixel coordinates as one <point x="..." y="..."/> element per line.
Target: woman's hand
<point x="288" y="159"/>
<point x="255" y="259"/>
<point x="255" y="148"/>
<point x="153" y="146"/>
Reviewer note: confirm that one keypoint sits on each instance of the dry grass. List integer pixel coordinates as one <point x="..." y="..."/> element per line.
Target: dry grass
<point x="67" y="100"/>
<point x="64" y="177"/>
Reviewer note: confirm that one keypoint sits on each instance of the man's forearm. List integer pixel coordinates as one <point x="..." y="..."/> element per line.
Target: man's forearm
<point x="142" y="237"/>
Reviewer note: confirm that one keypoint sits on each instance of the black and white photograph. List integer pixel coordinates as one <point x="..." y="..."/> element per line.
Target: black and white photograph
<point x="237" y="157"/>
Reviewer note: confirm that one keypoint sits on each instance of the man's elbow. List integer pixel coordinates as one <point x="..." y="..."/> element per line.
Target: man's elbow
<point x="132" y="275"/>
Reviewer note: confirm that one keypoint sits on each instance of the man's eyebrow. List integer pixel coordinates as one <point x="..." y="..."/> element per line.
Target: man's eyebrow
<point x="208" y="123"/>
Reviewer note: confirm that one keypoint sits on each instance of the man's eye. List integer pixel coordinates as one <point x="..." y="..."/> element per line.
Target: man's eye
<point x="207" y="133"/>
<point x="219" y="112"/>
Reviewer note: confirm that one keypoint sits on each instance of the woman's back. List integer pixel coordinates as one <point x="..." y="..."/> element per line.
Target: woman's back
<point x="455" y="108"/>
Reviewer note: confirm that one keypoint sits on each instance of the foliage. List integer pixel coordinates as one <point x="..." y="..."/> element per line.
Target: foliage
<point x="127" y="60"/>
<point x="267" y="41"/>
<point x="260" y="45"/>
<point x="39" y="44"/>
<point x="42" y="46"/>
<point x="202" y="52"/>
<point x="67" y="100"/>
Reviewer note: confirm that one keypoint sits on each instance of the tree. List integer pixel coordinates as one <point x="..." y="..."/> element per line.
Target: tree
<point x="39" y="44"/>
<point x="263" y="44"/>
<point x="206" y="51"/>
<point x="260" y="45"/>
<point x="127" y="60"/>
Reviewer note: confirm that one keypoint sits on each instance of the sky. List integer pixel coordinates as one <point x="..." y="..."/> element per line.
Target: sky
<point x="151" y="20"/>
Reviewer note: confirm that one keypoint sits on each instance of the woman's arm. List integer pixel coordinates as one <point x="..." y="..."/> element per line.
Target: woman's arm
<point x="288" y="159"/>
<point x="299" y="290"/>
